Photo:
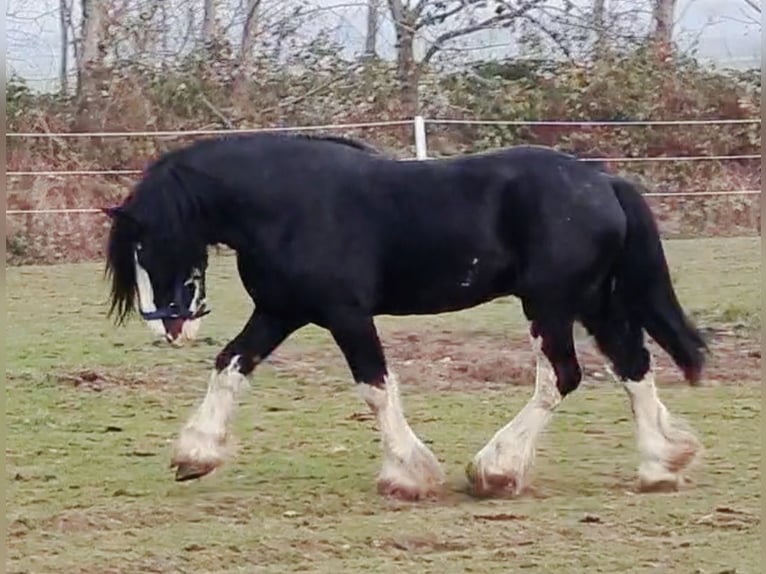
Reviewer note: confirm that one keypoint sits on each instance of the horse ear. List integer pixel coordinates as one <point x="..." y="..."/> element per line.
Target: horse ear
<point x="119" y="213"/>
<point x="112" y="212"/>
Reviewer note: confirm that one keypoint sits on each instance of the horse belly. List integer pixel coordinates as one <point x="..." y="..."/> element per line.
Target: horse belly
<point x="432" y="289"/>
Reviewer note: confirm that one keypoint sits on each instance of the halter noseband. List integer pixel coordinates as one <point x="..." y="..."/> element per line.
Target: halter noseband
<point x="176" y="308"/>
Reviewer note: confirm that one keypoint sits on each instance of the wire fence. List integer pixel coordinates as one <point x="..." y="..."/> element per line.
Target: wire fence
<point x="419" y="125"/>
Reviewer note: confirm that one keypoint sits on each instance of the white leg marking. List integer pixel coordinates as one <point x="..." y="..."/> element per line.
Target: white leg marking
<point x="201" y="446"/>
<point x="665" y="446"/>
<point x="410" y="470"/>
<point x="503" y="464"/>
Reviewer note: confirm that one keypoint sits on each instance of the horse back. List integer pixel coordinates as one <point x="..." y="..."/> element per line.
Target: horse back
<point x="318" y="222"/>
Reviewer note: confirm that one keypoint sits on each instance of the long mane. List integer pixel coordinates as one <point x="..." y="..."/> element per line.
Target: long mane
<point x="120" y="269"/>
<point x="342" y="140"/>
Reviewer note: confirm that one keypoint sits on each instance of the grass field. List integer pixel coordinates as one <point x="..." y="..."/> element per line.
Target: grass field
<point x="92" y="411"/>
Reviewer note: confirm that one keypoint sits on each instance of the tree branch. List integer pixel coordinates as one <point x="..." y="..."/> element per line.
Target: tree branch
<point x="397" y="11"/>
<point x="248" y="31"/>
<point x="216" y="112"/>
<point x="491" y="22"/>
<point x="419" y="7"/>
<point x="553" y="35"/>
<point x="431" y="19"/>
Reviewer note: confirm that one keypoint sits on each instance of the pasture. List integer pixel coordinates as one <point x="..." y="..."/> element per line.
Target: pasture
<point x="91" y="412"/>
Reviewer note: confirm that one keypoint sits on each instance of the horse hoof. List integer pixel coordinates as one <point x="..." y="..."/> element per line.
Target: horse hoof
<point x="491" y="485"/>
<point x="406" y="492"/>
<point x="191" y="470"/>
<point x="665" y="485"/>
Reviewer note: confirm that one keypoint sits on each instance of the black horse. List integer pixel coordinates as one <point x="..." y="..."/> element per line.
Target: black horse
<point x="330" y="233"/>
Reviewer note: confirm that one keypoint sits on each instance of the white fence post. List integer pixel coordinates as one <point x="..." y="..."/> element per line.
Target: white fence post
<point x="421" y="148"/>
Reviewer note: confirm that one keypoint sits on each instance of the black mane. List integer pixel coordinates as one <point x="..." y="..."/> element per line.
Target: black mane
<point x="120" y="270"/>
<point x="342" y="140"/>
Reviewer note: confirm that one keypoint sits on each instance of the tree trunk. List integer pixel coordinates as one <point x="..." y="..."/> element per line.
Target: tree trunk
<point x="248" y="33"/>
<point x="405" y="25"/>
<point x="663" y="12"/>
<point x="246" y="47"/>
<point x="370" y="43"/>
<point x="64" y="17"/>
<point x="407" y="71"/>
<point x="208" y="23"/>
<point x="90" y="68"/>
<point x="599" y="20"/>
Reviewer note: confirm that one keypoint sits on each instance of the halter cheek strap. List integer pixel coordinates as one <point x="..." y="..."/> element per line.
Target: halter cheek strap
<point x="176" y="309"/>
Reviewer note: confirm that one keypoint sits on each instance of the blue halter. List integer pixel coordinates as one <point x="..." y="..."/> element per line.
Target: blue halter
<point x="176" y="308"/>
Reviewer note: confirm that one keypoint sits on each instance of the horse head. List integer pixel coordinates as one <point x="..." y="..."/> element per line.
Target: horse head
<point x="156" y="264"/>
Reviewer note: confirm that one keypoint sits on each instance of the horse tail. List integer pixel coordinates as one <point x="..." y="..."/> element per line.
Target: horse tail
<point x="643" y="282"/>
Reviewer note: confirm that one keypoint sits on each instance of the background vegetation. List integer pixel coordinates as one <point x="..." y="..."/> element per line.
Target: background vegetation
<point x="271" y="70"/>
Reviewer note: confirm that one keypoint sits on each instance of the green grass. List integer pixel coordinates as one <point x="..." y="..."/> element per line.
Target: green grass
<point x="91" y="491"/>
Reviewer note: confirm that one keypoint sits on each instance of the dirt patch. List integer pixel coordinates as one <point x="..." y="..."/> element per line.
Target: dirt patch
<point x="420" y="544"/>
<point x="84" y="520"/>
<point x="728" y="517"/>
<point x="99" y="380"/>
<point x="444" y="360"/>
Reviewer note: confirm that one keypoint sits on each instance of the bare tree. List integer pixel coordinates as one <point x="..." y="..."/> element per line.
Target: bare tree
<point x="456" y="18"/>
<point x="599" y="21"/>
<point x="90" y="65"/>
<point x="371" y="35"/>
<point x="248" y="33"/>
<point x="246" y="45"/>
<point x="65" y="19"/>
<point x="92" y="47"/>
<point x="752" y="11"/>
<point x="208" y="23"/>
<point x="663" y="15"/>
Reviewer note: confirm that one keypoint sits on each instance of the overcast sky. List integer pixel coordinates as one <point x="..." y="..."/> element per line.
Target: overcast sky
<point x="718" y="27"/>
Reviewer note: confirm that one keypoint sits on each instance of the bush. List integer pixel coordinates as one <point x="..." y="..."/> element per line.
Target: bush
<point x="320" y="87"/>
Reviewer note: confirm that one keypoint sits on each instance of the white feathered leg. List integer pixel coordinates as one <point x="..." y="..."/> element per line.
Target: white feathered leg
<point x="665" y="446"/>
<point x="201" y="445"/>
<point x="503" y="464"/>
<point x="410" y="470"/>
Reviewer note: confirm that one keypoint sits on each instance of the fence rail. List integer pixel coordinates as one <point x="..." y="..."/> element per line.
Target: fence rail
<point x="595" y="123"/>
<point x="235" y="131"/>
<point x="735" y="192"/>
<point x="419" y="125"/>
<point x="389" y="123"/>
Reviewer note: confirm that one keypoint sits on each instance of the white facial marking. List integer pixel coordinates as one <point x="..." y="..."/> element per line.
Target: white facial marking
<point x="146" y="302"/>
<point x="510" y="453"/>
<point x="202" y="440"/>
<point x="408" y="465"/>
<point x="195" y="279"/>
<point x="146" y="294"/>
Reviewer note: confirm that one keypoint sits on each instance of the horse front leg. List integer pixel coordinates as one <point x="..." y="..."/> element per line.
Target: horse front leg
<point x="201" y="444"/>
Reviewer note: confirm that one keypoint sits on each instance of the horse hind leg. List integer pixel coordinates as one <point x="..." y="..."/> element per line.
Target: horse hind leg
<point x="503" y="464"/>
<point x="665" y="443"/>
